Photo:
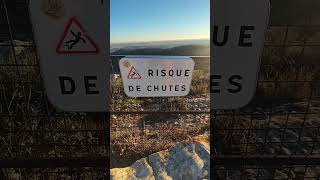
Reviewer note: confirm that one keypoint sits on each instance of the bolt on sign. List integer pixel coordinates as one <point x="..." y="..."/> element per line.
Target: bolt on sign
<point x="72" y="39"/>
<point x="238" y="30"/>
<point x="156" y="76"/>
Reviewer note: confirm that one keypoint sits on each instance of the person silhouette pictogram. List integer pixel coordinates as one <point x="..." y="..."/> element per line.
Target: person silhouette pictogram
<point x="71" y="43"/>
<point x="133" y="74"/>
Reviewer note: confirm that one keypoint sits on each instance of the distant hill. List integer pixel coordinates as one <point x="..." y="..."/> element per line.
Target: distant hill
<point x="159" y="44"/>
<point x="186" y="50"/>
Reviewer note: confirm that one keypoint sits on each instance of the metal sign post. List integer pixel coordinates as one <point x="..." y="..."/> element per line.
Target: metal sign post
<point x="72" y="39"/>
<point x="238" y="31"/>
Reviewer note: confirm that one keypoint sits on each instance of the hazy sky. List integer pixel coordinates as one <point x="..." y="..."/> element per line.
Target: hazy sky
<point x="157" y="20"/>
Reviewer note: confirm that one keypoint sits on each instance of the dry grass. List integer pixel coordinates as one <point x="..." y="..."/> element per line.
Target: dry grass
<point x="136" y="136"/>
<point x="200" y="83"/>
<point x="289" y="72"/>
<point x="28" y="121"/>
<point x="58" y="134"/>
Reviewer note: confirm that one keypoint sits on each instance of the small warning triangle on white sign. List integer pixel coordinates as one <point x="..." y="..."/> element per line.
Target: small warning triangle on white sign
<point x="75" y="40"/>
<point x="133" y="74"/>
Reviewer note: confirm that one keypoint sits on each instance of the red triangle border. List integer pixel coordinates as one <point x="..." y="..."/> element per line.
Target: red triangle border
<point x="65" y="34"/>
<point x="134" y="69"/>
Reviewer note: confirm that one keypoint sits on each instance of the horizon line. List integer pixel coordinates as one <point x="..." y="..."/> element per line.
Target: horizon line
<point x="133" y="42"/>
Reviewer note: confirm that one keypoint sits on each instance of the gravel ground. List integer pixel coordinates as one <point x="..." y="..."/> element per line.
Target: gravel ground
<point x="288" y="131"/>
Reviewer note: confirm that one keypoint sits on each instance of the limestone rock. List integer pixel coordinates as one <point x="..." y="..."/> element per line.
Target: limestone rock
<point x="185" y="161"/>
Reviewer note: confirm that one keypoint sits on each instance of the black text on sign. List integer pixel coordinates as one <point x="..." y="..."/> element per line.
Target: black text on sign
<point x="156" y="77"/>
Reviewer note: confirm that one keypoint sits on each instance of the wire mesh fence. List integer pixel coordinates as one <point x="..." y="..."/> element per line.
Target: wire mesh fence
<point x="275" y="137"/>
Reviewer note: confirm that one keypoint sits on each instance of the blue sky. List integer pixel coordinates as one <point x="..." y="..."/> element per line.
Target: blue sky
<point x="159" y="20"/>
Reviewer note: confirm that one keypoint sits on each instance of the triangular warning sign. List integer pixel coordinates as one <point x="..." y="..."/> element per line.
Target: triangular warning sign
<point x="133" y="74"/>
<point x="75" y="40"/>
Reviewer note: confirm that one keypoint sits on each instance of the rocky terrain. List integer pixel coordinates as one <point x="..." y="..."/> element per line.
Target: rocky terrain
<point x="270" y="127"/>
<point x="183" y="161"/>
<point x="292" y="128"/>
<point x="287" y="129"/>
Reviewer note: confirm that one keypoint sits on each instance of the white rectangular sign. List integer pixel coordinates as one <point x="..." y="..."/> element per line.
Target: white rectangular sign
<point x="237" y="40"/>
<point x="156" y="76"/>
<point x="72" y="39"/>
